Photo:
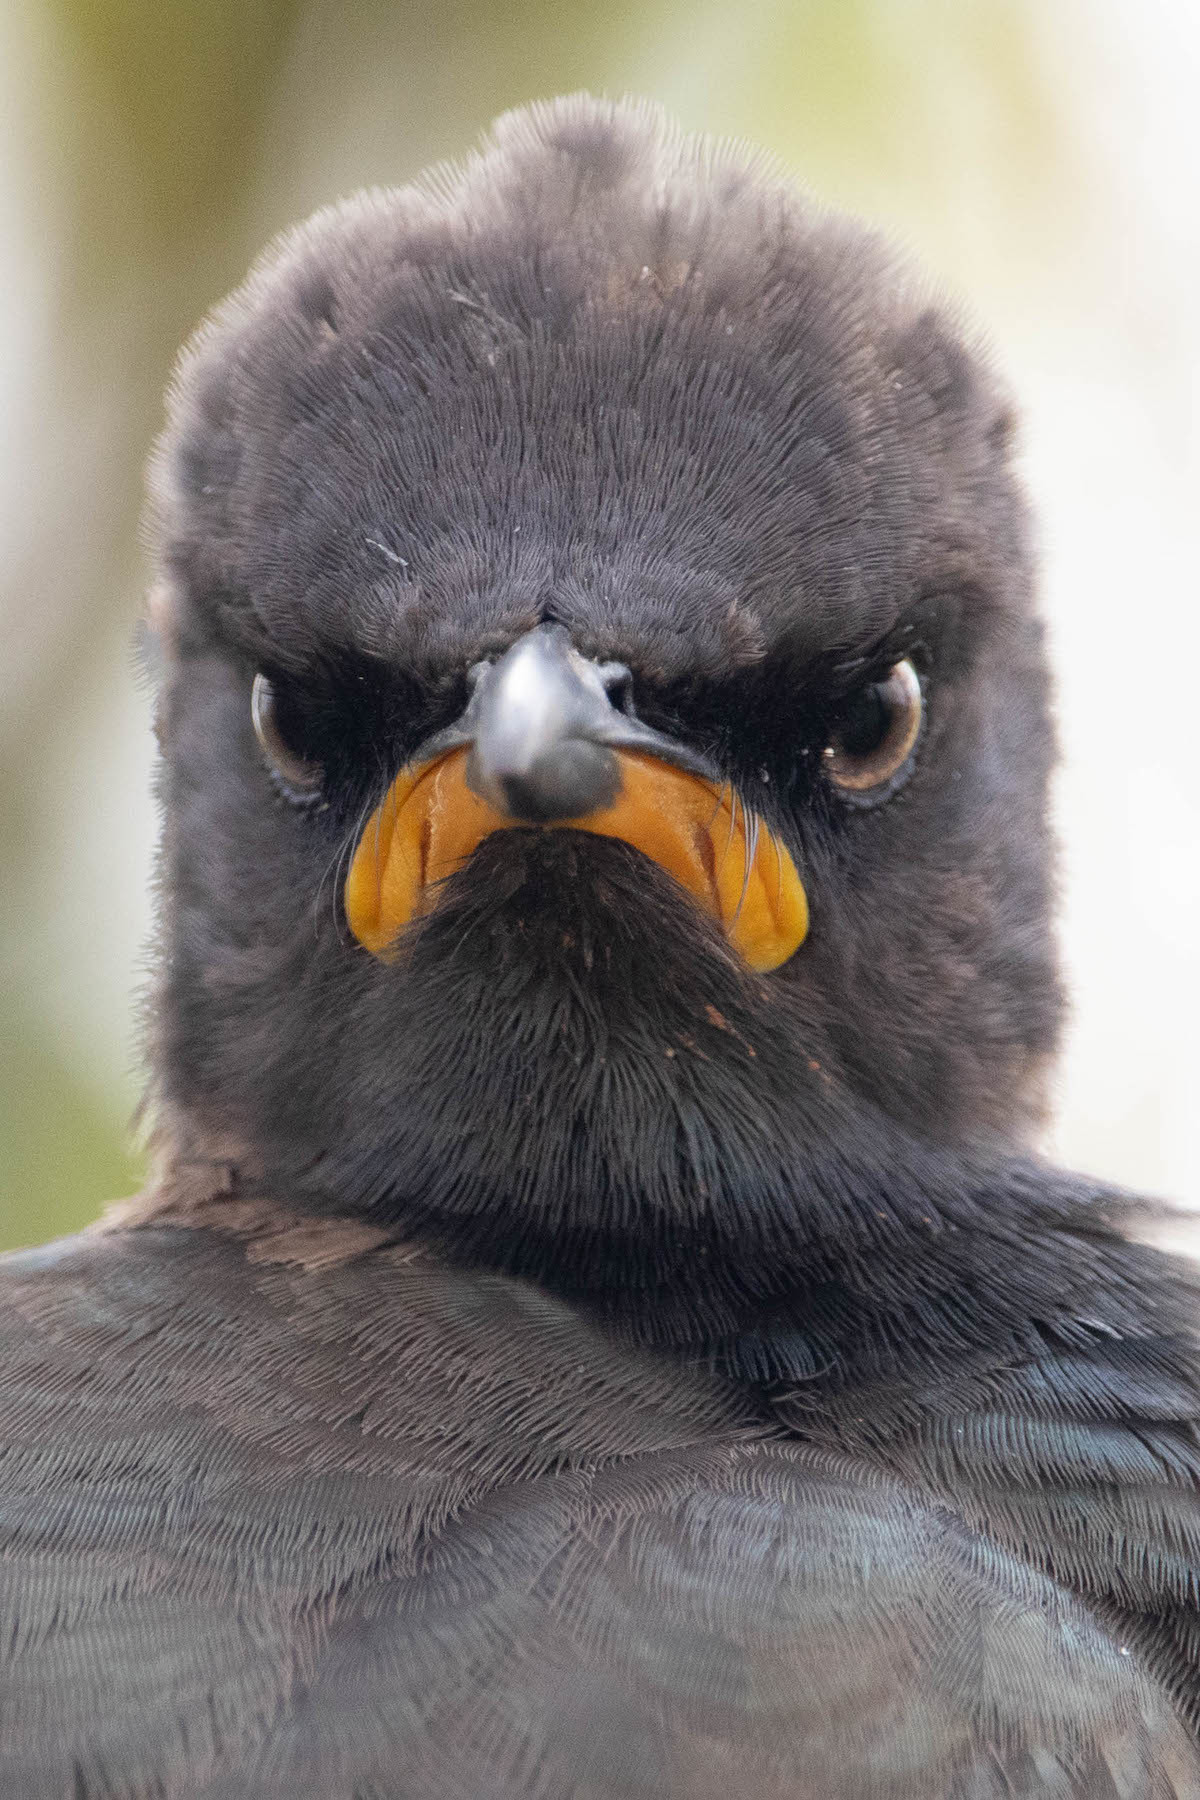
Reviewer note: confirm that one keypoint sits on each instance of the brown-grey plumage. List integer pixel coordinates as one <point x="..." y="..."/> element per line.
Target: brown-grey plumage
<point x="555" y="1358"/>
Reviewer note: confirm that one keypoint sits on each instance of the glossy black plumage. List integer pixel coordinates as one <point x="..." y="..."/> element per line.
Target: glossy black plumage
<point x="560" y="1361"/>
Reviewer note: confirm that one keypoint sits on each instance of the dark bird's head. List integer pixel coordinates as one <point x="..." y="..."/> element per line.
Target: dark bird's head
<point x="605" y="725"/>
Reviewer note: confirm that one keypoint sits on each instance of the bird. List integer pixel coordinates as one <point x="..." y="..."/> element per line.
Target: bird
<point x="599" y="1324"/>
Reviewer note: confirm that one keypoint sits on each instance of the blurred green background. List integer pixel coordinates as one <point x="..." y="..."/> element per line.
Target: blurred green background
<point x="1040" y="158"/>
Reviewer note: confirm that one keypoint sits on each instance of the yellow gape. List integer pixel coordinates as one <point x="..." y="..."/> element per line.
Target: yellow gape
<point x="430" y="821"/>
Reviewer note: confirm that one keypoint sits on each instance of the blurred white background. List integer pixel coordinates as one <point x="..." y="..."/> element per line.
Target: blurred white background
<point x="1040" y="157"/>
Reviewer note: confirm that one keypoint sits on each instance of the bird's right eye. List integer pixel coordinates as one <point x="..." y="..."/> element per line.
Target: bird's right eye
<point x="299" y="778"/>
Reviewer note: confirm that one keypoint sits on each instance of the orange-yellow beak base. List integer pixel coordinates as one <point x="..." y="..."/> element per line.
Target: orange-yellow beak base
<point x="430" y="821"/>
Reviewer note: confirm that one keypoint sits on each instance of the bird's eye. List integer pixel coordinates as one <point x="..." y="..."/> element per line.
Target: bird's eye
<point x="299" y="778"/>
<point x="874" y="735"/>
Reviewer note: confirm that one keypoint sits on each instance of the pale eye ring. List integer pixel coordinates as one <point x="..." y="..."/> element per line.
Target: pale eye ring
<point x="299" y="778"/>
<point x="870" y="748"/>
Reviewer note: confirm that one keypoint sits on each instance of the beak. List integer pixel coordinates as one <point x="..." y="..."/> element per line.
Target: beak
<point x="541" y="743"/>
<point x="544" y="733"/>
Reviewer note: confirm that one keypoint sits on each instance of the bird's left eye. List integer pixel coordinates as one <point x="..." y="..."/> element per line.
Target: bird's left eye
<point x="299" y="778"/>
<point x="873" y="736"/>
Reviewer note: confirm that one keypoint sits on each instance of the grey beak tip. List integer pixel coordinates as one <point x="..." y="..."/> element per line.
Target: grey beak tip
<point x="540" y="717"/>
<point x="544" y="735"/>
<point x="579" y="778"/>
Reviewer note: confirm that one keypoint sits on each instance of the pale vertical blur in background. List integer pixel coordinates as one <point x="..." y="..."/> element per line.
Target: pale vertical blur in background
<point x="1039" y="157"/>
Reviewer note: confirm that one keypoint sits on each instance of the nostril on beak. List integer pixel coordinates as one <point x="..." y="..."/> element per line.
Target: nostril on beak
<point x="617" y="681"/>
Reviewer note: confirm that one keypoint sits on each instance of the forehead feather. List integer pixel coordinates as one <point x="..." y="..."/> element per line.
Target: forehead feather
<point x="601" y="368"/>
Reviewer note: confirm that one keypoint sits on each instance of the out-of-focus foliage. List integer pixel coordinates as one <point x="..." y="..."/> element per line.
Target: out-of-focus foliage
<point x="185" y="84"/>
<point x="61" y="1150"/>
<point x="149" y="147"/>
